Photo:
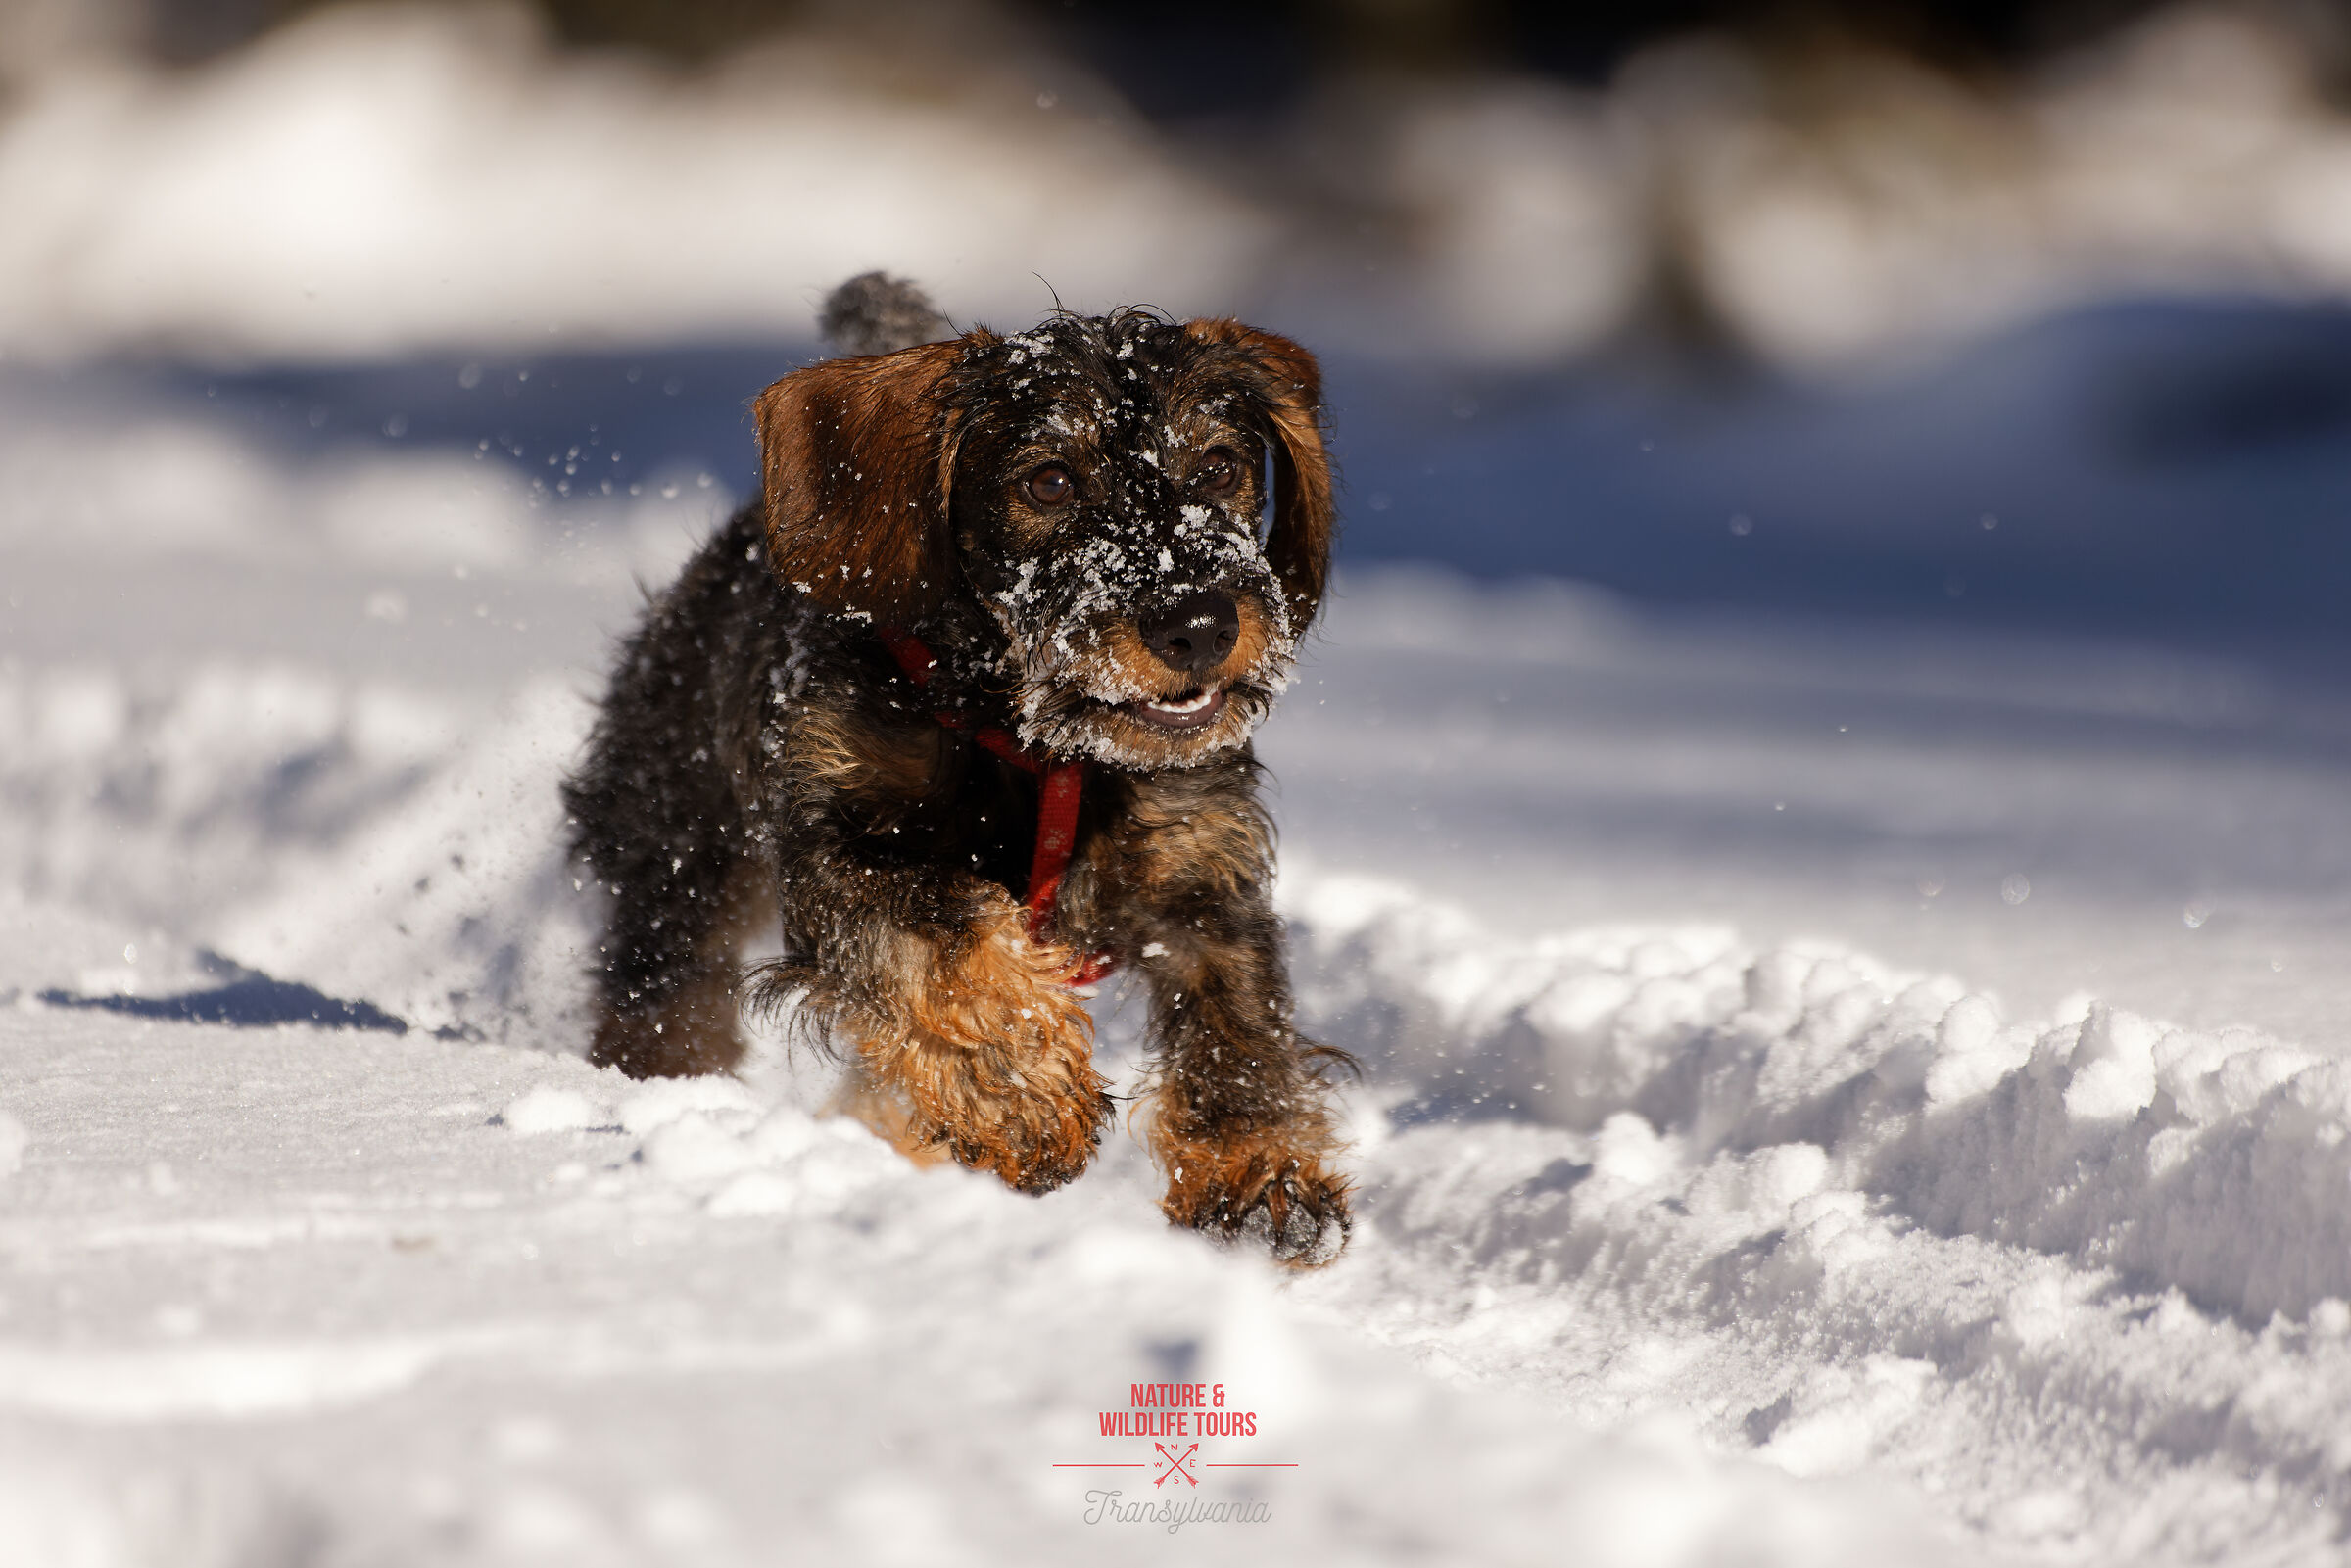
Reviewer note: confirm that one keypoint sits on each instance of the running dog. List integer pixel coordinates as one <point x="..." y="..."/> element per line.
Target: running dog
<point x="966" y="698"/>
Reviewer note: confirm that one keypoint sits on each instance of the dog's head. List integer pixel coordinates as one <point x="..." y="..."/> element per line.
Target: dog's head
<point x="1099" y="484"/>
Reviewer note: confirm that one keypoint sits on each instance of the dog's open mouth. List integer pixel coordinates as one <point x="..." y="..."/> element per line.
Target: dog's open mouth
<point x="1195" y="711"/>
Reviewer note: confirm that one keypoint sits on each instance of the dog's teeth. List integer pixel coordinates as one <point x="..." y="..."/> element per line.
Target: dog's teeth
<point x="1189" y="705"/>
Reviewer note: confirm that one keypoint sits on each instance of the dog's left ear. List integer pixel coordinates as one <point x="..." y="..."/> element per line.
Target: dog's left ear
<point x="1287" y="386"/>
<point x="854" y="458"/>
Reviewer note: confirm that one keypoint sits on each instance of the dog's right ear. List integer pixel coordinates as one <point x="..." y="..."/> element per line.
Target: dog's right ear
<point x="854" y="459"/>
<point x="1287" y="385"/>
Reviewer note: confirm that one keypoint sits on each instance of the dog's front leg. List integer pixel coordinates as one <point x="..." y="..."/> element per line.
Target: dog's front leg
<point x="1239" y="1117"/>
<point x="930" y="976"/>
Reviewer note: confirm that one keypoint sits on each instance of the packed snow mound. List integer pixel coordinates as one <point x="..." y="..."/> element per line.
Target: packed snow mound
<point x="371" y="840"/>
<point x="2209" y="1163"/>
<point x="2081" y="1279"/>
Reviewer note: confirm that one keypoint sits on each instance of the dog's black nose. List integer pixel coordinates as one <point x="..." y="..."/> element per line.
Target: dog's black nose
<point x="1196" y="633"/>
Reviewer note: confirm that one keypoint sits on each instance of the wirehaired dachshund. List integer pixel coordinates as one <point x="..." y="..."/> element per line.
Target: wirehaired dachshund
<point x="966" y="697"/>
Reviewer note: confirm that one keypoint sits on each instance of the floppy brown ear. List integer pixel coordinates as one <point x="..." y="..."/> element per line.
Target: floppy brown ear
<point x="854" y="456"/>
<point x="1288" y="385"/>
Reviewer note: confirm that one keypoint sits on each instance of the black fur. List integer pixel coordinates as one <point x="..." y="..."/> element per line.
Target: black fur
<point x="759" y="735"/>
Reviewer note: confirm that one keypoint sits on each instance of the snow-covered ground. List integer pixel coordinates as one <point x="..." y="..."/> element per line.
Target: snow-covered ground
<point x="1833" y="1094"/>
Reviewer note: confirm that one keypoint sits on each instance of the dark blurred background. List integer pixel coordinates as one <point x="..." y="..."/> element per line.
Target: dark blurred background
<point x="2024" y="313"/>
<point x="1174" y="59"/>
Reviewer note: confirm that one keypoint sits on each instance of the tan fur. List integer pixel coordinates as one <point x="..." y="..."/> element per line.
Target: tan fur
<point x="991" y="1051"/>
<point x="1225" y="848"/>
<point x="855" y="457"/>
<point x="1131" y="666"/>
<point x="1303" y="510"/>
<point x="1216" y="1182"/>
<point x="881" y="768"/>
<point x="1127" y="664"/>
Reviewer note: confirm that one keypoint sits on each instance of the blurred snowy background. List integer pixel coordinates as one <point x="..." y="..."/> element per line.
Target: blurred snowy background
<point x="1823" y="799"/>
<point x="1981" y="311"/>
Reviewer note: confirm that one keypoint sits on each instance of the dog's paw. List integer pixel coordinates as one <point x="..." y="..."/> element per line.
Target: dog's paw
<point x="1302" y="1220"/>
<point x="996" y="1057"/>
<point x="1261" y="1189"/>
<point x="1033" y="1142"/>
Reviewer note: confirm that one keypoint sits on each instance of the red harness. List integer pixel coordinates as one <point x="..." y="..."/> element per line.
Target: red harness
<point x="1060" y="787"/>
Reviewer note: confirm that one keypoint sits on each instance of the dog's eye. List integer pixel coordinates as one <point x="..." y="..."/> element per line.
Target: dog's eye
<point x="1218" y="472"/>
<point x="1051" y="487"/>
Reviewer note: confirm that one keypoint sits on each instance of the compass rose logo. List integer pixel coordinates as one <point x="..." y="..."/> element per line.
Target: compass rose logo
<point x="1172" y="1464"/>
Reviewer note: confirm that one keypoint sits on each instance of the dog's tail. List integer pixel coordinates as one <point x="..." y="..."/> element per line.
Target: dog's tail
<point x="876" y="314"/>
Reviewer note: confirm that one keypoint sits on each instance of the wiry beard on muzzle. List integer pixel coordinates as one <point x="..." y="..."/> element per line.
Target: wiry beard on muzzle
<point x="1073" y="655"/>
<point x="1064" y="721"/>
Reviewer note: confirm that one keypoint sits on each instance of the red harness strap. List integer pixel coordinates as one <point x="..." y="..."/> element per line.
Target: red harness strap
<point x="1060" y="789"/>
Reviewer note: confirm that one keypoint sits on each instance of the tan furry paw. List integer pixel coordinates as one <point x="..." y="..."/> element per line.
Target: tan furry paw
<point x="1260" y="1186"/>
<point x="996" y="1059"/>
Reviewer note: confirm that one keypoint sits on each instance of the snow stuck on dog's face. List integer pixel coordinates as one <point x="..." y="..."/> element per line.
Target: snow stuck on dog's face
<point x="1096" y="488"/>
<point x="1110" y="513"/>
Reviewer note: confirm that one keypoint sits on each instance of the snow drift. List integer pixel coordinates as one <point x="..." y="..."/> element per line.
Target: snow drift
<point x="2069" y="1281"/>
